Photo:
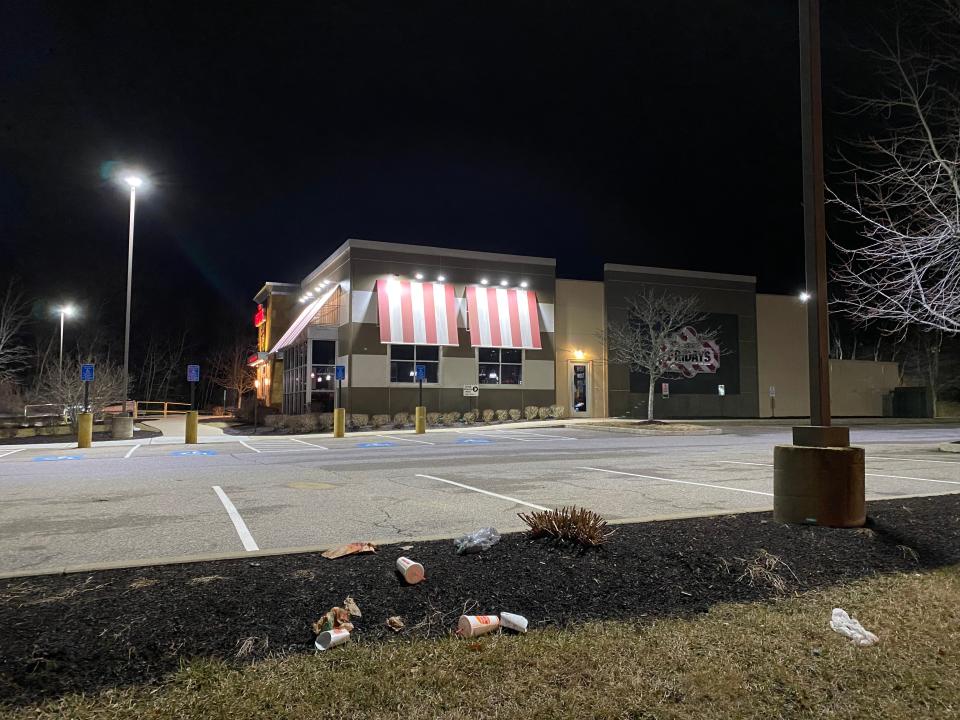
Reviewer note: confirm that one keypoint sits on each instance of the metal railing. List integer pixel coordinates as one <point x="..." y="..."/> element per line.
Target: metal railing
<point x="159" y="408"/>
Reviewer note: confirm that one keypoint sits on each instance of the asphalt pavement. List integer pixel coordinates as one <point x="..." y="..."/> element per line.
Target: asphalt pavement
<point x="139" y="502"/>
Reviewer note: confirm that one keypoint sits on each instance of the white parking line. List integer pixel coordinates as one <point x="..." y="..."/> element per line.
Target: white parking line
<point x="681" y="482"/>
<point x="880" y="475"/>
<point x="485" y="492"/>
<point x="310" y="444"/>
<point x="397" y="437"/>
<point x="131" y="451"/>
<point x="740" y="462"/>
<point x="942" y="462"/>
<point x="11" y="452"/>
<point x="549" y="437"/>
<point x="245" y="537"/>
<point x="250" y="447"/>
<point x="495" y="433"/>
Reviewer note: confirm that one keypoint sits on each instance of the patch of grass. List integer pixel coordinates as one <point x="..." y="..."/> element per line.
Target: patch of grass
<point x="764" y="660"/>
<point x="568" y="524"/>
<point x="765" y="569"/>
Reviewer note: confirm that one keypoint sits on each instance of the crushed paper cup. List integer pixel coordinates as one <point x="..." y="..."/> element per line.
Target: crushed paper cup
<point x="474" y="625"/>
<point x="412" y="571"/>
<point x="331" y="638"/>
<point x="517" y="623"/>
<point x="349" y="549"/>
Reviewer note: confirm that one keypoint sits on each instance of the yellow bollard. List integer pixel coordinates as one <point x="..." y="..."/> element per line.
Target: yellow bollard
<point x="339" y="422"/>
<point x="85" y="430"/>
<point x="421" y="420"/>
<point x="190" y="436"/>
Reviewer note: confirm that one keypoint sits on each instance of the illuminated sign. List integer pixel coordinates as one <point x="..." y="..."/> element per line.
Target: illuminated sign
<point x="258" y="358"/>
<point x="689" y="354"/>
<point x="259" y="317"/>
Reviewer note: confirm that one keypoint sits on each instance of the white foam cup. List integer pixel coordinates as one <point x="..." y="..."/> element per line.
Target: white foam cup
<point x="518" y="623"/>
<point x="474" y="625"/>
<point x="331" y="638"/>
<point x="412" y="571"/>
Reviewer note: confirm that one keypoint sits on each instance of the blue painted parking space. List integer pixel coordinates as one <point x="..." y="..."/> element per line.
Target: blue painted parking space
<point x="55" y="458"/>
<point x="473" y="441"/>
<point x="187" y="453"/>
<point x="375" y="444"/>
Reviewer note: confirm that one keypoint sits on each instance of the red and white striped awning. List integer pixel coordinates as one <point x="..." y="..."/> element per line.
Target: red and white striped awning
<point x="503" y="318"/>
<point x="415" y="313"/>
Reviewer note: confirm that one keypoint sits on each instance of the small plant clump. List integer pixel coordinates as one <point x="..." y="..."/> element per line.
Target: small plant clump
<point x="568" y="524"/>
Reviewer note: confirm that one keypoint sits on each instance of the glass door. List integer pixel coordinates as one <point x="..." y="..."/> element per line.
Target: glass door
<point x="580" y="389"/>
<point x="323" y="382"/>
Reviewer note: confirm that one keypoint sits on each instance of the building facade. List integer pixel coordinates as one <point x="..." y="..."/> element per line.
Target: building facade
<point x="499" y="331"/>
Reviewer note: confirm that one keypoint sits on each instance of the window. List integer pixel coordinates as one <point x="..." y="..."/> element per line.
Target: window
<point x="500" y="366"/>
<point x="405" y="358"/>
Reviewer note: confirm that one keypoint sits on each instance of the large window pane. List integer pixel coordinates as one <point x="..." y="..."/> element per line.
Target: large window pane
<point x="401" y="371"/>
<point x="488" y="355"/>
<point x="433" y="372"/>
<point x="511" y="356"/>
<point x="510" y="374"/>
<point x="428" y="352"/>
<point x="324" y="352"/>
<point x="401" y="352"/>
<point x="489" y="374"/>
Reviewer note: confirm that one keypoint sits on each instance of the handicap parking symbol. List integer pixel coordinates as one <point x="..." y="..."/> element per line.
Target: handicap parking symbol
<point x="474" y="441"/>
<point x="55" y="458"/>
<point x="375" y="444"/>
<point x="185" y="453"/>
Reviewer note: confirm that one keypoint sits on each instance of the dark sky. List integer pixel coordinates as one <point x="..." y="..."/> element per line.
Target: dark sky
<point x="654" y="133"/>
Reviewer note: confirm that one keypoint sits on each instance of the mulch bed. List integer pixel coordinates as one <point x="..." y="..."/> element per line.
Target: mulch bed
<point x="86" y="632"/>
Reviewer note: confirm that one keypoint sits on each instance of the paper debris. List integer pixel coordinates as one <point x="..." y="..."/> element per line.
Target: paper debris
<point x="335" y="618"/>
<point x="395" y="623"/>
<point x="841" y="622"/>
<point x="351" y="607"/>
<point x="350" y="549"/>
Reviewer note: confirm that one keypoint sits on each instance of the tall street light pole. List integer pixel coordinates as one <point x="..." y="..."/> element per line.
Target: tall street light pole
<point x="133" y="181"/>
<point x="65" y="311"/>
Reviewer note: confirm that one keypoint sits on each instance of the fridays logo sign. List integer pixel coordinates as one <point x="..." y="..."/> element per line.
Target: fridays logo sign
<point x="688" y="354"/>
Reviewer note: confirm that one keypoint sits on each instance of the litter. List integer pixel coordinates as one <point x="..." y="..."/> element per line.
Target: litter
<point x="350" y="549"/>
<point x="334" y="619"/>
<point x="477" y="541"/>
<point x="474" y="625"/>
<point x="351" y="607"/>
<point x="395" y="623"/>
<point x="851" y="628"/>
<point x="406" y="547"/>
<point x="517" y="623"/>
<point x="331" y="638"/>
<point x="411" y="571"/>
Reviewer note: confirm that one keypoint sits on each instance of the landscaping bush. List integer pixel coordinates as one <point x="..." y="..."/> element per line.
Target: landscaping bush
<point x="325" y="421"/>
<point x="515" y="414"/>
<point x="488" y="415"/>
<point x="543" y="413"/>
<point x="359" y="420"/>
<point x="530" y="412"/>
<point x="275" y="421"/>
<point x="379" y="421"/>
<point x="401" y="419"/>
<point x="302" y="423"/>
<point x="434" y="418"/>
<point x="450" y="418"/>
<point x="568" y="524"/>
<point x="559" y="412"/>
<point x="470" y="417"/>
<point x="503" y="415"/>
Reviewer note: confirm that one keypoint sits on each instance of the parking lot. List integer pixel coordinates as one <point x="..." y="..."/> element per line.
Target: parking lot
<point x="139" y="501"/>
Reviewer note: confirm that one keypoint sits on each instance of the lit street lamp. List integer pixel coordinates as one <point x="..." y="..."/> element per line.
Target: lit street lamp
<point x="804" y="296"/>
<point x="133" y="182"/>
<point x="65" y="312"/>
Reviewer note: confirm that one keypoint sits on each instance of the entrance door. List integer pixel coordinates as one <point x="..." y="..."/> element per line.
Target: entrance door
<point x="322" y="375"/>
<point x="580" y="389"/>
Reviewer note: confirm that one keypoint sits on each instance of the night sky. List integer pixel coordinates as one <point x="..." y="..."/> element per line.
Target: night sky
<point x="652" y="133"/>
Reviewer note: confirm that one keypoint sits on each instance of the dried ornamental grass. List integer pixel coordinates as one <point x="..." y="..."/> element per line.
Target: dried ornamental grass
<point x="568" y="524"/>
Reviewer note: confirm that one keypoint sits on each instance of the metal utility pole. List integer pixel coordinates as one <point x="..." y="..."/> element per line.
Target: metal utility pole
<point x="133" y="183"/>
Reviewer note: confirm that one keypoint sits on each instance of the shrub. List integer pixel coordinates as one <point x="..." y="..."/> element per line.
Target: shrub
<point x="543" y="413"/>
<point x="359" y="420"/>
<point x="275" y="421"/>
<point x="451" y="417"/>
<point x="325" y="420"/>
<point x="515" y="414"/>
<point x="558" y="411"/>
<point x="378" y="421"/>
<point x="488" y="415"/>
<point x="217" y="410"/>
<point x="530" y="412"/>
<point x="401" y="419"/>
<point x="503" y="415"/>
<point x="470" y="417"/>
<point x="302" y="423"/>
<point x="568" y="524"/>
<point x="434" y="418"/>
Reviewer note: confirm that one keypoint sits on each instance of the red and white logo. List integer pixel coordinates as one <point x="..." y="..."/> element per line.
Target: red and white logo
<point x="689" y="354"/>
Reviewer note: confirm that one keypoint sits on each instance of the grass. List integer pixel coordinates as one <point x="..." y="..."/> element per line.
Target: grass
<point x="763" y="660"/>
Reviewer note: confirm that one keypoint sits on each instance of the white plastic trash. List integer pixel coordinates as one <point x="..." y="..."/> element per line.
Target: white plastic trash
<point x="331" y="638"/>
<point x="477" y="541"/>
<point x="473" y="625"/>
<point x="412" y="571"/>
<point x="841" y="622"/>
<point x="517" y="623"/>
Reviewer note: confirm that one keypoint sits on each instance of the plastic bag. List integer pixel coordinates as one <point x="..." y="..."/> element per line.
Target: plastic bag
<point x="850" y="627"/>
<point x="477" y="541"/>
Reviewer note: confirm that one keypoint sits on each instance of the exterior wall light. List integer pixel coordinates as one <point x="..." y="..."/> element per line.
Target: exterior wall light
<point x="484" y="281"/>
<point x="804" y="296"/>
<point x="419" y="276"/>
<point x="524" y="284"/>
<point x="503" y="283"/>
<point x="440" y="278"/>
<point x="579" y="354"/>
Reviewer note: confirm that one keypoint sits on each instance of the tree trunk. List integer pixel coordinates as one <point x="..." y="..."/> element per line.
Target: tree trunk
<point x="653" y="384"/>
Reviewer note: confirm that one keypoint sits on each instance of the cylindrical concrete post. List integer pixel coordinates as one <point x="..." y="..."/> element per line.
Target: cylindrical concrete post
<point x="85" y="430"/>
<point x="122" y="427"/>
<point x="819" y="485"/>
<point x="421" y="420"/>
<point x="339" y="422"/>
<point x="190" y="436"/>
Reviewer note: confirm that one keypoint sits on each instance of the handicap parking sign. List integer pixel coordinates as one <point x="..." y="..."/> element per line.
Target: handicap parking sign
<point x="185" y="453"/>
<point x="341" y="372"/>
<point x="86" y="372"/>
<point x="421" y="372"/>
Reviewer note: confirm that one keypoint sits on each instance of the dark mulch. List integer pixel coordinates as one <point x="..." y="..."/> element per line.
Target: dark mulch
<point x="97" y="437"/>
<point x="87" y="632"/>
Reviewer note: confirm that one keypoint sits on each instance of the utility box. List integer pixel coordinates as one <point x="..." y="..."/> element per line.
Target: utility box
<point x="912" y="402"/>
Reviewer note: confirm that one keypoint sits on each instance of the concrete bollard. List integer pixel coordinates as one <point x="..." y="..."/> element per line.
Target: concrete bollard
<point x="122" y="427"/>
<point x="85" y="430"/>
<point x="339" y="422"/>
<point x="421" y="420"/>
<point x="190" y="435"/>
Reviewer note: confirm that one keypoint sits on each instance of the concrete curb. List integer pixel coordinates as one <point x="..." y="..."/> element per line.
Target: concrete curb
<point x="652" y="433"/>
<point x="950" y="447"/>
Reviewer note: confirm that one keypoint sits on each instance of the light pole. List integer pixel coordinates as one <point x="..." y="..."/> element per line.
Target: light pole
<point x="133" y="182"/>
<point x="65" y="312"/>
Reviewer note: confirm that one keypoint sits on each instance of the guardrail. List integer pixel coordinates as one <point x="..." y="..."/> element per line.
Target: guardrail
<point x="159" y="408"/>
<point x="57" y="410"/>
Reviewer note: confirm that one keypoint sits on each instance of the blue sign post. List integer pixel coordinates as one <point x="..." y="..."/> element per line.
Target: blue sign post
<point x="341" y="375"/>
<point x="421" y="376"/>
<point x="86" y="376"/>
<point x="193" y="377"/>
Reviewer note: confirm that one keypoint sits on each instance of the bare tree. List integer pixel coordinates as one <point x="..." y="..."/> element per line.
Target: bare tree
<point x="13" y="316"/>
<point x="651" y="340"/>
<point x="162" y="363"/>
<point x="905" y="186"/>
<point x="229" y="369"/>
<point x="66" y="389"/>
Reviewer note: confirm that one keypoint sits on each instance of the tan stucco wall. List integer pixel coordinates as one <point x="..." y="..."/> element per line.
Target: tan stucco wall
<point x="857" y="387"/>
<point x="578" y="318"/>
